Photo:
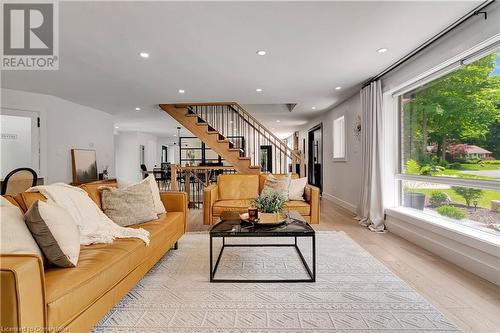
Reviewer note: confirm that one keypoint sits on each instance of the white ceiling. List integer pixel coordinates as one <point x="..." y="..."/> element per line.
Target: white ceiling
<point x="209" y="49"/>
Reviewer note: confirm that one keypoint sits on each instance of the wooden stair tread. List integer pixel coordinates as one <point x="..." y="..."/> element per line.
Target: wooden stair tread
<point x="186" y="115"/>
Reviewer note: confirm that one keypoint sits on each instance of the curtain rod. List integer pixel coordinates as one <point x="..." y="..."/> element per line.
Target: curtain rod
<point x="476" y="11"/>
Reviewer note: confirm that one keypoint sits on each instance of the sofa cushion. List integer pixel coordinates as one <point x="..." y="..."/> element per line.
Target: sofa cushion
<point x="231" y="205"/>
<point x="26" y="199"/>
<point x="263" y="176"/>
<point x="100" y="267"/>
<point x="238" y="187"/>
<point x="93" y="191"/>
<point x="301" y="207"/>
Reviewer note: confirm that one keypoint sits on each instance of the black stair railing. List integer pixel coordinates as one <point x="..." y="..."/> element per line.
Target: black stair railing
<point x="248" y="135"/>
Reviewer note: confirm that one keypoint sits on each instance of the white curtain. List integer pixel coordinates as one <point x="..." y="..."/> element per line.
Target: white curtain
<point x="371" y="208"/>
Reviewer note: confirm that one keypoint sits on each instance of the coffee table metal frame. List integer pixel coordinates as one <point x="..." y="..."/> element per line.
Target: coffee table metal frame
<point x="310" y="271"/>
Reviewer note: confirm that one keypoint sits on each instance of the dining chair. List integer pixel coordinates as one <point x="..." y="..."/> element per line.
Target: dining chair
<point x="19" y="180"/>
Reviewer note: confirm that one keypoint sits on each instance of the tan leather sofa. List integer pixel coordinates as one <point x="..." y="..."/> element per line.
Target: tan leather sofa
<point x="35" y="298"/>
<point x="235" y="192"/>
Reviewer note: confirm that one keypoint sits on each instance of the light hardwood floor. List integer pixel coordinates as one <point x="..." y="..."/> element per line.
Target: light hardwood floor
<point x="470" y="302"/>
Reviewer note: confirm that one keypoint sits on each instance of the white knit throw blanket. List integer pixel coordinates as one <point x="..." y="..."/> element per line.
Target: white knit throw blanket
<point x="93" y="224"/>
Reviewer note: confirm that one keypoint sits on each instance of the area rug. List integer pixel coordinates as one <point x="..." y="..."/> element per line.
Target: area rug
<point x="353" y="292"/>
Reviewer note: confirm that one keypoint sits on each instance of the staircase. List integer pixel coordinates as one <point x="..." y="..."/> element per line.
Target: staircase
<point x="238" y="137"/>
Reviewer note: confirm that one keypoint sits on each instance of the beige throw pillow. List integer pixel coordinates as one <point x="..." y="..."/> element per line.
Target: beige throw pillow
<point x="296" y="190"/>
<point x="127" y="206"/>
<point x="275" y="184"/>
<point x="159" y="208"/>
<point x="15" y="237"/>
<point x="56" y="233"/>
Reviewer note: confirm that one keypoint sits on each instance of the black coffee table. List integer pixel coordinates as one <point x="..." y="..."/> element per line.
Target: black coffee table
<point x="230" y="225"/>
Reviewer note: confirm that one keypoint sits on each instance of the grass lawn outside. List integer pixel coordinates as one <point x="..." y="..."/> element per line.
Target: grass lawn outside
<point x="484" y="201"/>
<point x="478" y="167"/>
<point x="457" y="173"/>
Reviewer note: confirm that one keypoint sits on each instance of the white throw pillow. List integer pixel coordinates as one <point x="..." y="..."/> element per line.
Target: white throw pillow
<point x="15" y="236"/>
<point x="155" y="190"/>
<point x="159" y="208"/>
<point x="296" y="189"/>
<point x="279" y="184"/>
<point x="56" y="233"/>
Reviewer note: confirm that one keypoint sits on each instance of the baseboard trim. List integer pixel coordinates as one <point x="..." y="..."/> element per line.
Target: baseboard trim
<point x="342" y="203"/>
<point x="461" y="254"/>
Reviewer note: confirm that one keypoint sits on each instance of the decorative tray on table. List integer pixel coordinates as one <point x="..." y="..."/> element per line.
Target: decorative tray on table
<point x="269" y="219"/>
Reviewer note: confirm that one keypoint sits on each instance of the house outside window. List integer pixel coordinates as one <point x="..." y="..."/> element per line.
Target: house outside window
<point x="450" y="146"/>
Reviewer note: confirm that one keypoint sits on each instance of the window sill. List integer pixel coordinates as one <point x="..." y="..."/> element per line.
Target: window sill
<point x="478" y="239"/>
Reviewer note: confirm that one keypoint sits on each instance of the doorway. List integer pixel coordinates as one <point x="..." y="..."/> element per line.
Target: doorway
<point x="20" y="141"/>
<point x="266" y="158"/>
<point x="164" y="154"/>
<point x="315" y="156"/>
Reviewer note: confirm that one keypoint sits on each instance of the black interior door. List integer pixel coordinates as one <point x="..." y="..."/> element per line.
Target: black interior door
<point x="315" y="156"/>
<point x="266" y="158"/>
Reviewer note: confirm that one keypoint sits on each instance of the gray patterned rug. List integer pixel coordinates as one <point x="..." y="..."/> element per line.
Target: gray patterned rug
<point x="353" y="292"/>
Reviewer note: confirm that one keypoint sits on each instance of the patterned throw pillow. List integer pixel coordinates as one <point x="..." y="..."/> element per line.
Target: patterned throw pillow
<point x="128" y="206"/>
<point x="279" y="184"/>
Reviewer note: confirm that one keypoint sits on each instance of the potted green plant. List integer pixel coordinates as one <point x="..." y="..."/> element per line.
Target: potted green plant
<point x="411" y="198"/>
<point x="270" y="205"/>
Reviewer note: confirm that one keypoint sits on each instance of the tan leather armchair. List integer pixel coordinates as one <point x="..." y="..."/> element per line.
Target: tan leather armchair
<point x="235" y="192"/>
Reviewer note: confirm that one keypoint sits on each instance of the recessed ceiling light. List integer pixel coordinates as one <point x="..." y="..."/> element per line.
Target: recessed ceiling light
<point x="137" y="109"/>
<point x="117" y="127"/>
<point x="144" y="54"/>
<point x="175" y="134"/>
<point x="338" y="88"/>
<point x="382" y="50"/>
<point x="230" y="121"/>
<point x="278" y="121"/>
<point x="313" y="108"/>
<point x="261" y="52"/>
<point x="181" y="91"/>
<point x="258" y="90"/>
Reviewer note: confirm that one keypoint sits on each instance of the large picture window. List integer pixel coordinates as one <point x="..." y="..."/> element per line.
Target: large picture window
<point x="450" y="146"/>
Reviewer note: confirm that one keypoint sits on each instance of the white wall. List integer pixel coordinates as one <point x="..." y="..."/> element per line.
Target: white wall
<point x="341" y="180"/>
<point x="128" y="154"/>
<point x="150" y="143"/>
<point x="65" y="125"/>
<point x="173" y="150"/>
<point x="16" y="153"/>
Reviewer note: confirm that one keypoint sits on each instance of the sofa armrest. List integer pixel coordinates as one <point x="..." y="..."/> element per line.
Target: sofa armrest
<point x="175" y="202"/>
<point x="210" y="196"/>
<point x="311" y="195"/>
<point x="22" y="293"/>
